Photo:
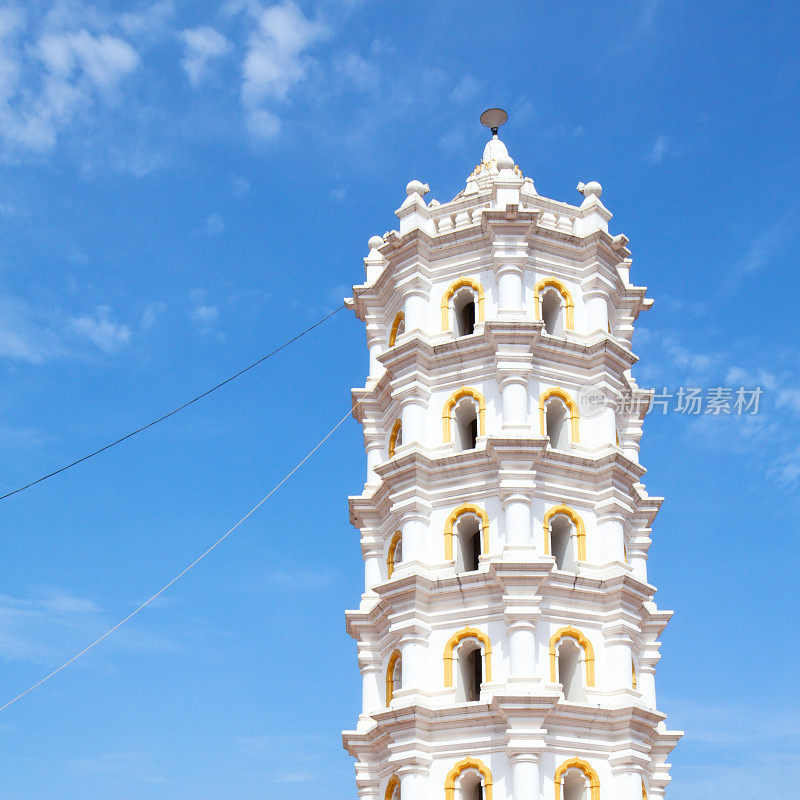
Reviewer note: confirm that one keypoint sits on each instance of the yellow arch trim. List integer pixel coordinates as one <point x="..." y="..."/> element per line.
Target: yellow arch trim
<point x="580" y="528"/>
<point x="393" y="659"/>
<point x="455" y="639"/>
<point x="588" y="652"/>
<point x="447" y="411"/>
<point x="396" y="429"/>
<point x="398" y="321"/>
<point x="462" y="766"/>
<point x="464" y="508"/>
<point x="569" y="305"/>
<point x="586" y="769"/>
<point x="448" y="296"/>
<point x="391" y="562"/>
<point x="634" y="682"/>
<point x="644" y="790"/>
<point x="572" y="408"/>
<point x="394" y="783"/>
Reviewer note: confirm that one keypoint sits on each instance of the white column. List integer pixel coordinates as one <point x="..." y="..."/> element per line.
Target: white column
<point x="525" y="779"/>
<point x="372" y="552"/>
<point x="596" y="312"/>
<point x="376" y="341"/>
<point x="514" y="390"/>
<point x="517" y="508"/>
<point x="628" y="785"/>
<point x="413" y="417"/>
<point x="509" y="279"/>
<point x="374" y="449"/>
<point x="415" y="308"/>
<point x="371" y="695"/>
<point x="612" y="540"/>
<point x="414" y="528"/>
<point x="413" y="648"/>
<point x="618" y="658"/>
<point x="522" y="649"/>
<point x="413" y="780"/>
<point x="646" y="683"/>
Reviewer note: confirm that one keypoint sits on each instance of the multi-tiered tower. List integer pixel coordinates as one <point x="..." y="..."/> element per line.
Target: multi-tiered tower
<point x="507" y="635"/>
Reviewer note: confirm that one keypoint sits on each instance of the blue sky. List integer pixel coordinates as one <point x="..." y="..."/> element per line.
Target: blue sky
<point x="184" y="185"/>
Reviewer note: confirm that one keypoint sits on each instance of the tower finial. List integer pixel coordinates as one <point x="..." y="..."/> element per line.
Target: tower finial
<point x="493" y="118"/>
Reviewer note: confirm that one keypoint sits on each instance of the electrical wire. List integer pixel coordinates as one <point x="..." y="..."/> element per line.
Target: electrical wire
<point x="186" y="569"/>
<point x="174" y="410"/>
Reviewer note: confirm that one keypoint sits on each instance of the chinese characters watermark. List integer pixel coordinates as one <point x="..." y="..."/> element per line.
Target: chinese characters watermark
<point x="685" y="400"/>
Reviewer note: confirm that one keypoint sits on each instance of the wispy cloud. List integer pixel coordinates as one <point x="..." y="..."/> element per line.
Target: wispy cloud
<point x="100" y="329"/>
<point x="202" y="46"/>
<point x="277" y="59"/>
<point x="202" y="313"/>
<point x="659" y="150"/>
<point x="765" y="247"/>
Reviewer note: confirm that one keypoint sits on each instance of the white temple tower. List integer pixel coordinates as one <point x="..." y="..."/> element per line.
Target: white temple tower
<point x="507" y="635"/>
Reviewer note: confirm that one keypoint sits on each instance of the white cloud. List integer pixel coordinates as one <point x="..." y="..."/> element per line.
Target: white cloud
<point x="358" y="73"/>
<point x="263" y="125"/>
<point x="28" y="333"/>
<point x="240" y="186"/>
<point x="201" y="46"/>
<point x="152" y="311"/>
<point x="659" y="150"/>
<point x="214" y="225"/>
<point x="54" y="80"/>
<point x="276" y="61"/>
<point x="203" y="314"/>
<point x="466" y="89"/>
<point x="766" y="246"/>
<point x="106" y="334"/>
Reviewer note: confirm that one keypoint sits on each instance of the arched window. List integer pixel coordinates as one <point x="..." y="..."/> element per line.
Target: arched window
<point x="470" y="671"/>
<point x="568" y="669"/>
<point x="576" y="780"/>
<point x="394" y="676"/>
<point x="459" y="531"/>
<point x="464" y="301"/>
<point x="466" y="419"/>
<point x="465" y="411"/>
<point x="471" y="651"/>
<point x="558" y="416"/>
<point x="464" y="310"/>
<point x="392" y="789"/>
<point x="553" y="312"/>
<point x="472" y="778"/>
<point x="468" y="534"/>
<point x="398" y="328"/>
<point x="553" y="305"/>
<point x="585" y="654"/>
<point x="395" y="554"/>
<point x="395" y="437"/>
<point x="564" y="537"/>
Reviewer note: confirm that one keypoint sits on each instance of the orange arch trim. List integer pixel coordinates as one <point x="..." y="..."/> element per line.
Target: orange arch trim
<point x="393" y="333"/>
<point x="569" y="305"/>
<point x="580" y="528"/>
<point x="448" y="296"/>
<point x="391" y="556"/>
<point x="394" y="435"/>
<point x="583" y="642"/>
<point x="462" y="766"/>
<point x="586" y="769"/>
<point x="455" y="639"/>
<point x="465" y="508"/>
<point x="393" y="659"/>
<point x="394" y="783"/>
<point x="572" y="408"/>
<point x="449" y="406"/>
